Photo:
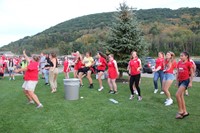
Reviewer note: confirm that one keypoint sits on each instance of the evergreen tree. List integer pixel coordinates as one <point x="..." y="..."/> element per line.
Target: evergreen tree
<point x="125" y="36"/>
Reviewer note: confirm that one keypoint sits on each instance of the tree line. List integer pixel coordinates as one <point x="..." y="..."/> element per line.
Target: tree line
<point x="163" y="29"/>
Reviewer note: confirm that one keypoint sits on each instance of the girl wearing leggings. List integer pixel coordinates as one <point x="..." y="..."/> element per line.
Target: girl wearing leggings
<point x="134" y="69"/>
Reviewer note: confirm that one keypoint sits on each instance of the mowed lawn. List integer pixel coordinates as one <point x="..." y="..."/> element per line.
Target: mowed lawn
<point x="95" y="113"/>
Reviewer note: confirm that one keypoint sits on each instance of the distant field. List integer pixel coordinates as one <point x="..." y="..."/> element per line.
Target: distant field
<point x="94" y="113"/>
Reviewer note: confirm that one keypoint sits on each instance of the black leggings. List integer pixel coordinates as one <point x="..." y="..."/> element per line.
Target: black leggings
<point x="134" y="79"/>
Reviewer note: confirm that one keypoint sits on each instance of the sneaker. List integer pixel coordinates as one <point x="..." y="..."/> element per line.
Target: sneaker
<point x="139" y="98"/>
<point x="110" y="91"/>
<point x="162" y="92"/>
<point x="39" y="106"/>
<point x="131" y="97"/>
<point x="46" y="83"/>
<point x="9" y="78"/>
<point x="166" y="101"/>
<point x="81" y="85"/>
<point x="100" y="89"/>
<point x="13" y="78"/>
<point x="114" y="92"/>
<point x="169" y="102"/>
<point x="136" y="92"/>
<point x="186" y="94"/>
<point x="155" y="91"/>
<point x="91" y="86"/>
<point x="31" y="102"/>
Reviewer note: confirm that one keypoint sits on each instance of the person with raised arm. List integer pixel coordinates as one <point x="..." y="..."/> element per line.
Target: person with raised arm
<point x="31" y="79"/>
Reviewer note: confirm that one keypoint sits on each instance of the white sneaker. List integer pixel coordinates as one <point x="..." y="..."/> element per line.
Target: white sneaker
<point x="39" y="106"/>
<point x="100" y="89"/>
<point x="136" y="92"/>
<point x="169" y="102"/>
<point x="31" y="102"/>
<point x="162" y="92"/>
<point x="131" y="97"/>
<point x="155" y="91"/>
<point x="166" y="100"/>
<point x="139" y="98"/>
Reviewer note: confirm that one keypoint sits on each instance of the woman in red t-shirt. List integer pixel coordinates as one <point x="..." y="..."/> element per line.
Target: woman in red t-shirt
<point x="2" y="66"/>
<point x="76" y="63"/>
<point x="194" y="70"/>
<point x="66" y="68"/>
<point x="169" y="65"/>
<point x="112" y="74"/>
<point x="158" y="72"/>
<point x="31" y="79"/>
<point x="101" y="67"/>
<point x="134" y="70"/>
<point x="184" y="80"/>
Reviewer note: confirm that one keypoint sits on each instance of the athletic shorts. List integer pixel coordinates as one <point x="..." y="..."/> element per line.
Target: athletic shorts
<point x="84" y="70"/>
<point x="168" y="76"/>
<point x="100" y="71"/>
<point x="184" y="83"/>
<point x="29" y="85"/>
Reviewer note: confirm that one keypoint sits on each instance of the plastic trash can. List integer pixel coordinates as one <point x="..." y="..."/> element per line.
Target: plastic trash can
<point x="71" y="87"/>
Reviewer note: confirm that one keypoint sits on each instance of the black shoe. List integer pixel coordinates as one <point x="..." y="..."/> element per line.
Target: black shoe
<point x="110" y="91"/>
<point x="114" y="92"/>
<point x="81" y="85"/>
<point x="91" y="86"/>
<point x="46" y="83"/>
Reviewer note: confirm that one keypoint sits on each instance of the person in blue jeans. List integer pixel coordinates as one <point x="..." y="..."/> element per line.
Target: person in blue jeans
<point x="46" y="69"/>
<point x="158" y="72"/>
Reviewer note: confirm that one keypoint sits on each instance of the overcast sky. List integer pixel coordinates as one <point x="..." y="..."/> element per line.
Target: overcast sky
<point x="20" y="18"/>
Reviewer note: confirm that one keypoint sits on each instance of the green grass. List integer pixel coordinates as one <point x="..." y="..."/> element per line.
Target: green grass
<point x="94" y="113"/>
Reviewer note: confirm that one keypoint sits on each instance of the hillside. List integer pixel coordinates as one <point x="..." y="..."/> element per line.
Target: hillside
<point x="164" y="29"/>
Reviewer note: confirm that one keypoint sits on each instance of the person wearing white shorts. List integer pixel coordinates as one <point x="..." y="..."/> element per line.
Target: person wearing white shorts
<point x="31" y="79"/>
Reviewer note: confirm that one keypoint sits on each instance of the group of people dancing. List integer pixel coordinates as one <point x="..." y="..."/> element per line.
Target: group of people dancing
<point x="164" y="69"/>
<point x="84" y="66"/>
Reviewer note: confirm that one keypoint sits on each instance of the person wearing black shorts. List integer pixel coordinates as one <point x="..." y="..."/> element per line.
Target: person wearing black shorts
<point x="88" y="62"/>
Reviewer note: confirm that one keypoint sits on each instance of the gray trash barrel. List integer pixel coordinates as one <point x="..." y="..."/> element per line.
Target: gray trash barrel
<point x="71" y="87"/>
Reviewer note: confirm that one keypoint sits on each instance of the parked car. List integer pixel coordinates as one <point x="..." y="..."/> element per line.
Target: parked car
<point x="149" y="65"/>
<point x="197" y="73"/>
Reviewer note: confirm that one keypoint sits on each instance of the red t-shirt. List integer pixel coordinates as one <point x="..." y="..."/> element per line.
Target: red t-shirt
<point x="103" y="63"/>
<point x="112" y="72"/>
<point x="183" y="69"/>
<point x="32" y="71"/>
<point x="170" y="68"/>
<point x="66" y="65"/>
<point x="160" y="62"/>
<point x="134" y="64"/>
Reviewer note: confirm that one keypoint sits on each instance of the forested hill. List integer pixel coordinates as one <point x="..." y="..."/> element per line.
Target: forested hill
<point x="164" y="29"/>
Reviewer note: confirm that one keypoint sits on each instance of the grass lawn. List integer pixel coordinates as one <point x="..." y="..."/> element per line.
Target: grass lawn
<point x="95" y="113"/>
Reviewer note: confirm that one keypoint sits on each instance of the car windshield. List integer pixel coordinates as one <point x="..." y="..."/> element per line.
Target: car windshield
<point x="152" y="61"/>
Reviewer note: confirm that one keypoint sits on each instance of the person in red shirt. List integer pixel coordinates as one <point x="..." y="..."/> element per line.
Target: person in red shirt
<point x="101" y="67"/>
<point x="2" y="67"/>
<point x="193" y="69"/>
<point x="169" y="65"/>
<point x="184" y="80"/>
<point x="112" y="74"/>
<point x="66" y="68"/>
<point x="76" y="63"/>
<point x="31" y="79"/>
<point x="158" y="72"/>
<point x="134" y="70"/>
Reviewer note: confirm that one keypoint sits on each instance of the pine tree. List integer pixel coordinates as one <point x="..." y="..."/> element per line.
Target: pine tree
<point x="124" y="37"/>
